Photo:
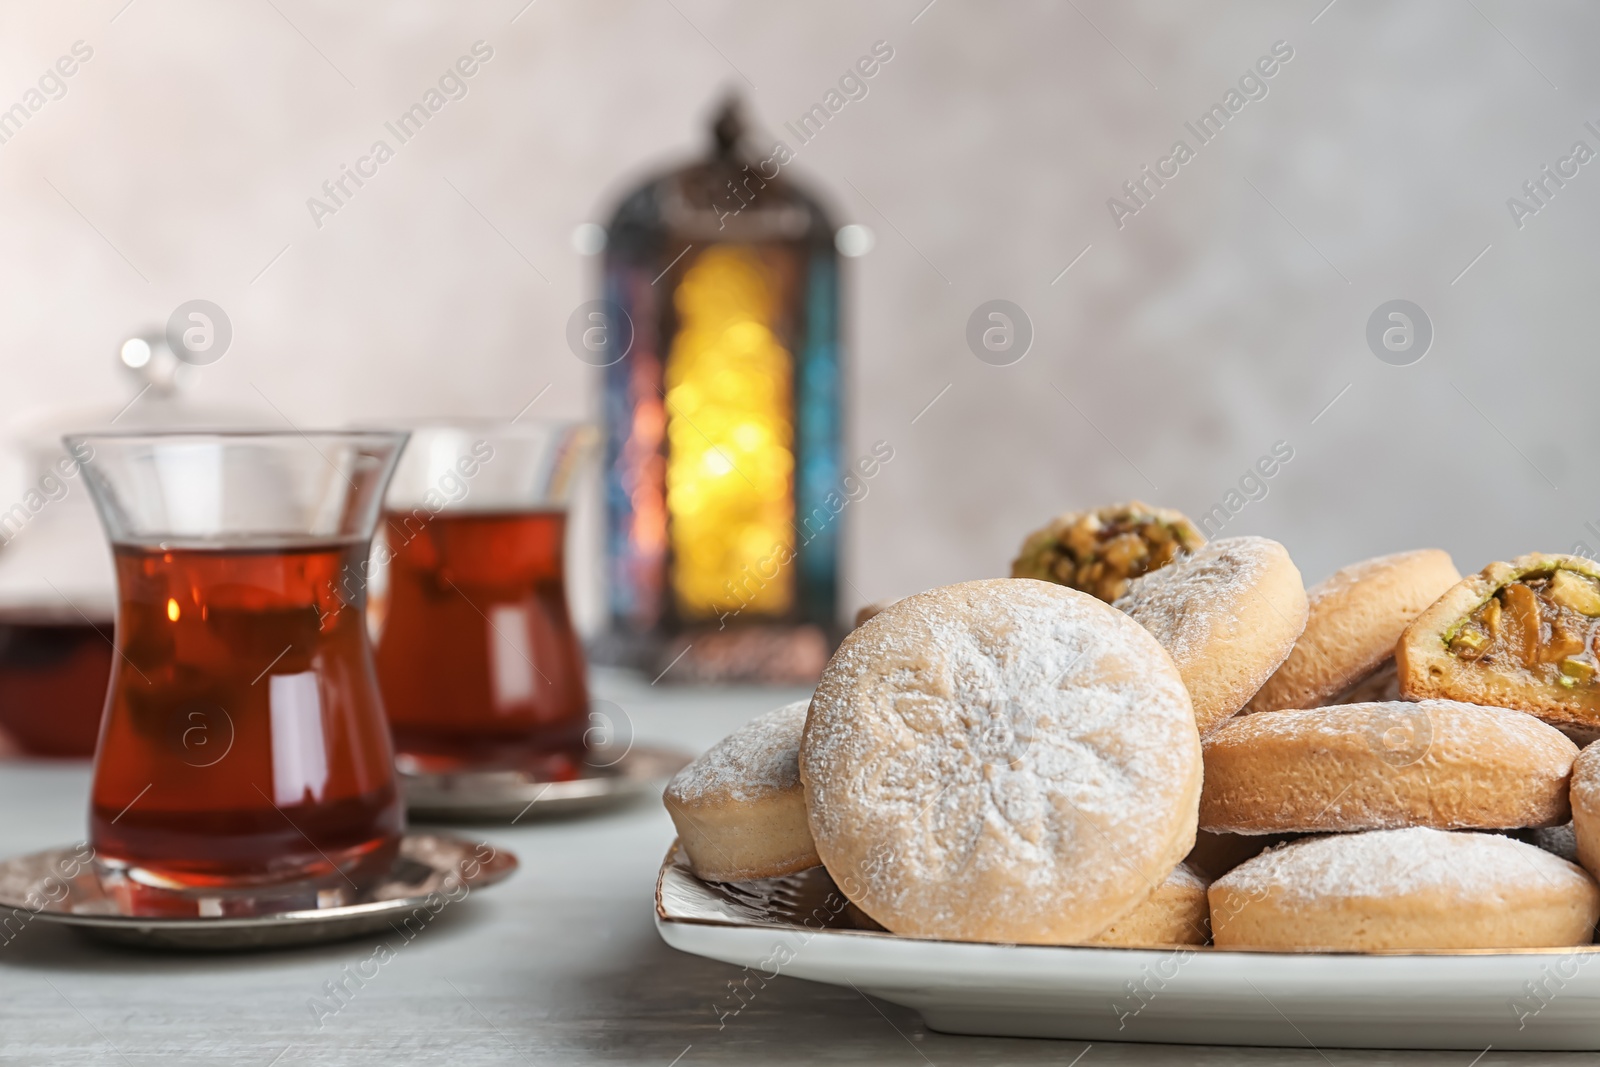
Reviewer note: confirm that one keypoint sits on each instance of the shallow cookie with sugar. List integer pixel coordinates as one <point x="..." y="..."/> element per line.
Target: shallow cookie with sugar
<point x="1586" y="807"/>
<point x="1001" y="760"/>
<point x="1416" y="888"/>
<point x="739" y="809"/>
<point x="1385" y="765"/>
<point x="1356" y="616"/>
<point x="1177" y="913"/>
<point x="1229" y="615"/>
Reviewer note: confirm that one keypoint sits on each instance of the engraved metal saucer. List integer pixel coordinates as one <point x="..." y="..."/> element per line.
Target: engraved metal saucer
<point x="433" y="871"/>
<point x="609" y="780"/>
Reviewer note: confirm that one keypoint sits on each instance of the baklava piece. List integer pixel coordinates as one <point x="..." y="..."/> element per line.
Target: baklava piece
<point x="1519" y="635"/>
<point x="1101" y="551"/>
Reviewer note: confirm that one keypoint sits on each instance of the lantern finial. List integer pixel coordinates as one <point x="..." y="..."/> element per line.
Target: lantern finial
<point x="728" y="128"/>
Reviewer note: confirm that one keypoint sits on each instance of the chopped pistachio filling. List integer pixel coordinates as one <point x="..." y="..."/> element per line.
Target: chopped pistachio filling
<point x="1546" y="624"/>
<point x="1102" y="556"/>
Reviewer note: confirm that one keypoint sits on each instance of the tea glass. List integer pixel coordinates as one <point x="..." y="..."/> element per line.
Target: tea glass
<point x="243" y="744"/>
<point x="477" y="657"/>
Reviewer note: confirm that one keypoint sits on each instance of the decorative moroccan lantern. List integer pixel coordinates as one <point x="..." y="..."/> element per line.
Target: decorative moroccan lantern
<point x="723" y="419"/>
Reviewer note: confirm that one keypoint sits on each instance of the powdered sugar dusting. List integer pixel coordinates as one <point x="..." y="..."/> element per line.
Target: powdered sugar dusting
<point x="1181" y="603"/>
<point x="1586" y="778"/>
<point x="1384" y="864"/>
<point x="1341" y="581"/>
<point x="759" y="759"/>
<point x="1335" y="721"/>
<point x="1187" y="877"/>
<point x="1007" y="750"/>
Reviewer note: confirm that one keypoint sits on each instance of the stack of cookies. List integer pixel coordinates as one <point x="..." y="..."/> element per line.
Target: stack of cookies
<point x="1190" y="748"/>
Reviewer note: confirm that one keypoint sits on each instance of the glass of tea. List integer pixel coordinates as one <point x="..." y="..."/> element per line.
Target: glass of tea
<point x="243" y="743"/>
<point x="477" y="657"/>
<point x="54" y="663"/>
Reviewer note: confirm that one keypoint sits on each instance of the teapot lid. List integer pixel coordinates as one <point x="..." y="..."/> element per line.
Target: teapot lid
<point x="55" y="564"/>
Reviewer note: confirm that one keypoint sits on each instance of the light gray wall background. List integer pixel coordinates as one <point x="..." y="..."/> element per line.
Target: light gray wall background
<point x="1224" y="317"/>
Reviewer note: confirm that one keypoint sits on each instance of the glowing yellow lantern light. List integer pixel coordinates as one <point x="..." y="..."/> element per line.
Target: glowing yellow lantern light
<point x="723" y="408"/>
<point x="731" y="464"/>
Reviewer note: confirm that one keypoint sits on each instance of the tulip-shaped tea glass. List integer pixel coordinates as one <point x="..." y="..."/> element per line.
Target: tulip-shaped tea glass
<point x="243" y="744"/>
<point x="480" y="666"/>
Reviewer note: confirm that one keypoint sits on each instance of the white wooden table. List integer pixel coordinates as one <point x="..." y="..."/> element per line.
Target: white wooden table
<point x="560" y="965"/>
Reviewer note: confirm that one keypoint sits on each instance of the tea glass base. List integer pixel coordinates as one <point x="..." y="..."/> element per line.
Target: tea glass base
<point x="611" y="776"/>
<point x="540" y="766"/>
<point x="149" y="890"/>
<point x="545" y="759"/>
<point x="431" y="871"/>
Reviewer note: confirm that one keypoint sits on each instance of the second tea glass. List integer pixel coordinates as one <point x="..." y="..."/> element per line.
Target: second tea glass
<point x="480" y="666"/>
<point x="243" y="743"/>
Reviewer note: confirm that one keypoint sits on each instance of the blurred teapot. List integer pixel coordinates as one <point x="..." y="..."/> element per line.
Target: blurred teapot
<point x="57" y="584"/>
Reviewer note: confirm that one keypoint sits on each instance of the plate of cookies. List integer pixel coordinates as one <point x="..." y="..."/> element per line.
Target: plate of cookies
<point x="1151" y="788"/>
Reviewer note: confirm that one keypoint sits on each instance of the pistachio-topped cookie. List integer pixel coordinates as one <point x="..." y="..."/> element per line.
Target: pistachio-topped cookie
<point x="1519" y="635"/>
<point x="1101" y="551"/>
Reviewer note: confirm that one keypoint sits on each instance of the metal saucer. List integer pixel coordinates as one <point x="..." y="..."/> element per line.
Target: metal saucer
<point x="608" y="781"/>
<point x="63" y="886"/>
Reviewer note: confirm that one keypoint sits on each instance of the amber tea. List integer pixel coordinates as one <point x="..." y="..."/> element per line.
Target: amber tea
<point x="244" y="753"/>
<point x="243" y="740"/>
<point x="478" y="660"/>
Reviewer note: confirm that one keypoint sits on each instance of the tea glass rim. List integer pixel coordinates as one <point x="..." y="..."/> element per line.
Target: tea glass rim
<point x="490" y="424"/>
<point x="235" y="434"/>
<point x="540" y="442"/>
<point x="100" y="452"/>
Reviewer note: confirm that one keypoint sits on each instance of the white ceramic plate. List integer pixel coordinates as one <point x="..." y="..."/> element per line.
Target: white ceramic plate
<point x="802" y="927"/>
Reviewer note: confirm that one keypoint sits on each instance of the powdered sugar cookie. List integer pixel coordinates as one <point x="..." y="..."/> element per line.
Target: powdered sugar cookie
<point x="1228" y="614"/>
<point x="1586" y="807"/>
<point x="1356" y="616"/>
<point x="1416" y="888"/>
<point x="739" y="809"/>
<point x="1177" y="913"/>
<point x="1383" y="766"/>
<point x="1001" y="760"/>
